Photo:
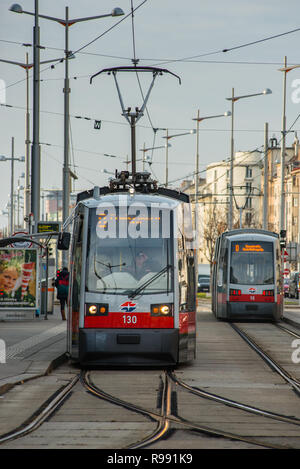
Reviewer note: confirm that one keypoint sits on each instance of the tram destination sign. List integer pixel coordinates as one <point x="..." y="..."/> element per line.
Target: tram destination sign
<point x="251" y="247"/>
<point x="46" y="226"/>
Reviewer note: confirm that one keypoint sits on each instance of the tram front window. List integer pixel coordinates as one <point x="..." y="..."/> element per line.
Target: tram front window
<point x="252" y="263"/>
<point x="122" y="265"/>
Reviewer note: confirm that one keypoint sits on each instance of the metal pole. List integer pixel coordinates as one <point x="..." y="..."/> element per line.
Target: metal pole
<point x="266" y="180"/>
<point x="35" y="150"/>
<point x="27" y="150"/>
<point x="12" y="186"/>
<point x="144" y="155"/>
<point x="167" y="158"/>
<point x="66" y="172"/>
<point x="46" y="291"/>
<point x="197" y="175"/>
<point x="230" y="213"/>
<point x="18" y="205"/>
<point x="282" y="156"/>
<point x="133" y="146"/>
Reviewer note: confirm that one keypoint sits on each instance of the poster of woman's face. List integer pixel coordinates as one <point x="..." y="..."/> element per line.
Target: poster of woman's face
<point x="18" y="277"/>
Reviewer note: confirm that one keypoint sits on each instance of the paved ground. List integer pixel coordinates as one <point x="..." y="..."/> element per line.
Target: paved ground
<point x="29" y="347"/>
<point x="225" y="366"/>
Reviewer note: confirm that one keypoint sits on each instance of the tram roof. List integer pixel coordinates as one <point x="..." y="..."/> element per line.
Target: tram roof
<point x="119" y="198"/>
<point x="247" y="232"/>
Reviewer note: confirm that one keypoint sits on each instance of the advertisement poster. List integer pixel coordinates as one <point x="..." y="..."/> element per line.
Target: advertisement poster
<point x="18" y="278"/>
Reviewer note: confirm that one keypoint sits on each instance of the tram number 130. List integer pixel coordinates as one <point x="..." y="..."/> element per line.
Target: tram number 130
<point x="129" y="319"/>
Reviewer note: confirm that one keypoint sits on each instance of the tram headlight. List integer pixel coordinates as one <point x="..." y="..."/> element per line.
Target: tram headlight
<point x="93" y="309"/>
<point x="96" y="309"/>
<point x="162" y="310"/>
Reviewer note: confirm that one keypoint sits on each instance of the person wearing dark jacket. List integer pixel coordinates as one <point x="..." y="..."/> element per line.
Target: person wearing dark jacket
<point x="62" y="285"/>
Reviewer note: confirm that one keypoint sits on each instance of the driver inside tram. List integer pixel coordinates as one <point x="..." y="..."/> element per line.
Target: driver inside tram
<point x="142" y="265"/>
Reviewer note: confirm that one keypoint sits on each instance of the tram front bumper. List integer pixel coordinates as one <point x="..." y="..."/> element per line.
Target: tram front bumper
<point x="240" y="310"/>
<point x="134" y="347"/>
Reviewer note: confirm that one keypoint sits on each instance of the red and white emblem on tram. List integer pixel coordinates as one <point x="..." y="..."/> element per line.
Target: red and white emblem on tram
<point x="128" y="307"/>
<point x="252" y="290"/>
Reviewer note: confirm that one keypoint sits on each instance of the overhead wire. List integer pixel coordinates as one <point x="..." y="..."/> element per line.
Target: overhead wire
<point x="108" y="30"/>
<point x="135" y="61"/>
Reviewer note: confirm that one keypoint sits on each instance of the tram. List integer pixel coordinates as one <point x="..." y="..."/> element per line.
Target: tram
<point x="132" y="298"/>
<point x="247" y="277"/>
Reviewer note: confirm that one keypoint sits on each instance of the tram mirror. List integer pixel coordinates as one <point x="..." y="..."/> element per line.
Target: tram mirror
<point x="63" y="242"/>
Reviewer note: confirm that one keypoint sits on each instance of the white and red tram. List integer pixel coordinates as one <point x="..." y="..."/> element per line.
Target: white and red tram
<point x="247" y="276"/>
<point x="132" y="298"/>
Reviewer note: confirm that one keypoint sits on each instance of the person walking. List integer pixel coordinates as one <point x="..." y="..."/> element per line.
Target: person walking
<point x="62" y="285"/>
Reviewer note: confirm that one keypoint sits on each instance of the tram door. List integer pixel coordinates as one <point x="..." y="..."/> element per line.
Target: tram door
<point x="214" y="276"/>
<point x="222" y="279"/>
<point x="75" y="284"/>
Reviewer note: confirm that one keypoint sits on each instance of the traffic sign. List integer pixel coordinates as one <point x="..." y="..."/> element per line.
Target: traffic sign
<point x="286" y="271"/>
<point x="285" y="255"/>
<point x="21" y="244"/>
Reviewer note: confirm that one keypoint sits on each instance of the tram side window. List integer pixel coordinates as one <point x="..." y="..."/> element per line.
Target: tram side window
<point x="191" y="291"/>
<point x="225" y="265"/>
<point x="182" y="281"/>
<point x="279" y="280"/>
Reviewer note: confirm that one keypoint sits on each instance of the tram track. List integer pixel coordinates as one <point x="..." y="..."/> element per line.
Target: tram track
<point x="288" y="331"/>
<point x="167" y="417"/>
<point x="273" y="364"/>
<point x="235" y="404"/>
<point x="42" y="414"/>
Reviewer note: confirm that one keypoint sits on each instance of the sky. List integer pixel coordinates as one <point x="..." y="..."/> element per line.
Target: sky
<point x="187" y="39"/>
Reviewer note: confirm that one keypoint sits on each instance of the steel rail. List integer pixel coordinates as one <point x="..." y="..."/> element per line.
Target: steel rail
<point x="234" y="404"/>
<point x="163" y="422"/>
<point x="166" y="418"/>
<point x="43" y="413"/>
<point x="269" y="360"/>
<point x="288" y="331"/>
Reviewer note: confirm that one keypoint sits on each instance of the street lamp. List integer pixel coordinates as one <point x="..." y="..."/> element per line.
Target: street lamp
<point x="27" y="66"/>
<point x="16" y="8"/>
<point x="285" y="69"/>
<point x="168" y="137"/>
<point x="144" y="150"/>
<point x="199" y="119"/>
<point x="105" y="171"/>
<point x="233" y="99"/>
<point x="12" y="159"/>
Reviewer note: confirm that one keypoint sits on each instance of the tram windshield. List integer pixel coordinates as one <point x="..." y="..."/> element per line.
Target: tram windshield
<point x="252" y="263"/>
<point x="132" y="262"/>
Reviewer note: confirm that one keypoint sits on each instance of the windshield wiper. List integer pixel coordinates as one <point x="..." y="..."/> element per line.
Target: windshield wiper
<point x="135" y="292"/>
<point x="110" y="267"/>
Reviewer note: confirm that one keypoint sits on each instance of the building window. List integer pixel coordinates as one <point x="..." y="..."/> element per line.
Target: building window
<point x="248" y="218"/>
<point x="248" y="172"/>
<point x="248" y="187"/>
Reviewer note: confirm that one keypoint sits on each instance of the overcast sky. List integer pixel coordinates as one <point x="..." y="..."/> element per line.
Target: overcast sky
<point x="187" y="38"/>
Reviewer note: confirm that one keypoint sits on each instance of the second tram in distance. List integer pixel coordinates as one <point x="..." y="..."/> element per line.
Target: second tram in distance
<point x="247" y="276"/>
